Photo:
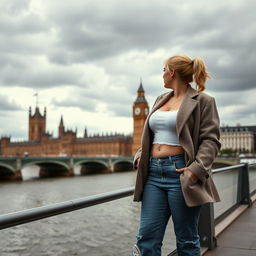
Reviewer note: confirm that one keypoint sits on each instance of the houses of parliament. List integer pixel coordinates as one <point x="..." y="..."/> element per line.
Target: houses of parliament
<point x="42" y="143"/>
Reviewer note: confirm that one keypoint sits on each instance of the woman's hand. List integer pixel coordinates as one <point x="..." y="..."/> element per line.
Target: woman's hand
<point x="137" y="162"/>
<point x="190" y="174"/>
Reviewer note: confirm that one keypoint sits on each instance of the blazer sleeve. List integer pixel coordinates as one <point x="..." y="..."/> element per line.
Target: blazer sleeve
<point x="139" y="151"/>
<point x="209" y="141"/>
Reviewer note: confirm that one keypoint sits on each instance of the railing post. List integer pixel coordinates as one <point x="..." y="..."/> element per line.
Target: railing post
<point x="206" y="227"/>
<point x="243" y="186"/>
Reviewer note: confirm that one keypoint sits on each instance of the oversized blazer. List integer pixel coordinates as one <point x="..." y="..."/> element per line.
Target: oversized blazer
<point x="197" y="127"/>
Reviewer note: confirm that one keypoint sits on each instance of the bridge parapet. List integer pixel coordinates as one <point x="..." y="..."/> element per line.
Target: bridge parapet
<point x="14" y="165"/>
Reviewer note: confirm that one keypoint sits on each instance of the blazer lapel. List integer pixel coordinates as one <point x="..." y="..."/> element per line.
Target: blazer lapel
<point x="185" y="110"/>
<point x="187" y="106"/>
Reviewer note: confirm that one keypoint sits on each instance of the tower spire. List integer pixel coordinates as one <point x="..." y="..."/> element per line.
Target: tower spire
<point x="61" y="127"/>
<point x="140" y="89"/>
<point x="61" y="120"/>
<point x="140" y="93"/>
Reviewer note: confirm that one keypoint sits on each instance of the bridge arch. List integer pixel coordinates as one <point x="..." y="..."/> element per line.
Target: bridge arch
<point x="7" y="172"/>
<point x="122" y="165"/>
<point x="50" y="168"/>
<point x="89" y="166"/>
<point x="8" y="167"/>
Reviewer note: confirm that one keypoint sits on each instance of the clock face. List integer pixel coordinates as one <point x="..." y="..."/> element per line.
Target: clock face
<point x="146" y="111"/>
<point x="137" y="111"/>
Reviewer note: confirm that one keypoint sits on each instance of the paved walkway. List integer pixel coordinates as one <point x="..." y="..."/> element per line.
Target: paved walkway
<point x="239" y="239"/>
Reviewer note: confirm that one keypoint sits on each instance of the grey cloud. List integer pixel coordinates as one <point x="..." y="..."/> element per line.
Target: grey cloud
<point x="242" y="114"/>
<point x="120" y="109"/>
<point x="117" y="102"/>
<point x="100" y="33"/>
<point x="91" y="105"/>
<point x="86" y="104"/>
<point x="38" y="76"/>
<point x="15" y="6"/>
<point x="89" y="31"/>
<point x="11" y="130"/>
<point x="96" y="31"/>
<point x="14" y="25"/>
<point x="8" y="105"/>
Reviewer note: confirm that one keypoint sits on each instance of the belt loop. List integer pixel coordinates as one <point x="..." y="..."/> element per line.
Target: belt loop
<point x="171" y="159"/>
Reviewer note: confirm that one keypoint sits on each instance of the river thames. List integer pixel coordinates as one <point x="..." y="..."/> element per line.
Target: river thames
<point x="101" y="230"/>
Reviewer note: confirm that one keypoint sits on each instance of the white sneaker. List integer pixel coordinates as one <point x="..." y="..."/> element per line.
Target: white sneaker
<point x="136" y="251"/>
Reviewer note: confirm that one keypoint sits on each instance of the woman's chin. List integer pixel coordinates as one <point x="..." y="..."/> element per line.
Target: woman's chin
<point x="167" y="86"/>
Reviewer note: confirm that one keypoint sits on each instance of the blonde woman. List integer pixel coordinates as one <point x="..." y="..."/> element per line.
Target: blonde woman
<point x="180" y="141"/>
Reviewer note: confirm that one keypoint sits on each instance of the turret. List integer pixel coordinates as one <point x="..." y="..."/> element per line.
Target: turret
<point x="37" y="124"/>
<point x="61" y="127"/>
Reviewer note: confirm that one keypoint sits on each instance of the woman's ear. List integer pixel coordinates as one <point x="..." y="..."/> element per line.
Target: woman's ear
<point x="172" y="72"/>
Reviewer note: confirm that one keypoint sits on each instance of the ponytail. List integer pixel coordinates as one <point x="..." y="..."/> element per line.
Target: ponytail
<point x="200" y="74"/>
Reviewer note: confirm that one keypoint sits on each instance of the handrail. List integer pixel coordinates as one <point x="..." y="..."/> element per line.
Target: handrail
<point x="228" y="168"/>
<point x="25" y="216"/>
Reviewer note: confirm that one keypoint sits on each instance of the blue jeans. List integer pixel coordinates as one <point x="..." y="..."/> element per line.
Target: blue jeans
<point x="162" y="198"/>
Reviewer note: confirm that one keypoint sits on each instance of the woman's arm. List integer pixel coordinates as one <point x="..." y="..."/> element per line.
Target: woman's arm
<point x="209" y="141"/>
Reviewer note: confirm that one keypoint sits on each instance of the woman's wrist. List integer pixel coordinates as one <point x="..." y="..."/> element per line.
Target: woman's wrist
<point x="137" y="162"/>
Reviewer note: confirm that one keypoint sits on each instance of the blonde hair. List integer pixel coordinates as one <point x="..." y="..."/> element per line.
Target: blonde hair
<point x="186" y="68"/>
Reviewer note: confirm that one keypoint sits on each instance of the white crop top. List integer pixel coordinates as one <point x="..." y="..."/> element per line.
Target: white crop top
<point x="163" y="125"/>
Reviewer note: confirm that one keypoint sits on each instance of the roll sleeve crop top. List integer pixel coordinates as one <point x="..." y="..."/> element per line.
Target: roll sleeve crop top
<point x="163" y="125"/>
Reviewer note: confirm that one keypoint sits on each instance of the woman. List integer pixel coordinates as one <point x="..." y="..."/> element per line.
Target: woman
<point x="180" y="141"/>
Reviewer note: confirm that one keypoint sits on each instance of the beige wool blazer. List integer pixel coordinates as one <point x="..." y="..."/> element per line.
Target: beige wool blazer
<point x="197" y="127"/>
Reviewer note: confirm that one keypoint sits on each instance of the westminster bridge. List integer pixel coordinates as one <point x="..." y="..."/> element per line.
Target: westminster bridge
<point x="59" y="166"/>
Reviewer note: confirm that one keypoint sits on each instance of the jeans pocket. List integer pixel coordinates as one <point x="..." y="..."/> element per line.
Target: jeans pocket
<point x="179" y="163"/>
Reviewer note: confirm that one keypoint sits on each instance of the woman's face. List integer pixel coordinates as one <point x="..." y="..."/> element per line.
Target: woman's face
<point x="168" y="77"/>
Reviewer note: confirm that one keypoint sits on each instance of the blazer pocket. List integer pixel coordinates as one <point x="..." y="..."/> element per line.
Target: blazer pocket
<point x="188" y="180"/>
<point x="193" y="180"/>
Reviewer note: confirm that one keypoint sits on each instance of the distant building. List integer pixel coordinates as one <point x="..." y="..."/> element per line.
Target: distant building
<point x="41" y="143"/>
<point x="239" y="138"/>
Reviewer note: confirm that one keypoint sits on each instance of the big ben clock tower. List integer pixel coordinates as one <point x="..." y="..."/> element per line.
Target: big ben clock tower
<point x="140" y="113"/>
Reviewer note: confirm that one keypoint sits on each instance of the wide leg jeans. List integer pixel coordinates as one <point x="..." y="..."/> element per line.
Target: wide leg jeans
<point x="162" y="198"/>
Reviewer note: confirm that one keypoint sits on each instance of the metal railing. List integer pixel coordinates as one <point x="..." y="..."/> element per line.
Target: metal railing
<point x="25" y="216"/>
<point x="207" y="220"/>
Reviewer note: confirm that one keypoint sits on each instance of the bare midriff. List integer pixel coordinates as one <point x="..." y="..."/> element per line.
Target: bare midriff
<point x="162" y="150"/>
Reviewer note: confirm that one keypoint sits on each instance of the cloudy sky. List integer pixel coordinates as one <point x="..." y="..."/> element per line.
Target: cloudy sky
<point x="85" y="58"/>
